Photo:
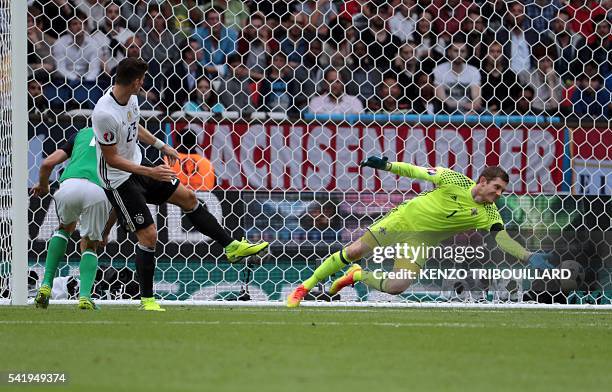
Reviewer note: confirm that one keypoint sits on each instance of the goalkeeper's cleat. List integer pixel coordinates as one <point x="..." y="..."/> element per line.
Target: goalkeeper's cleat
<point x="238" y="250"/>
<point x="87" y="304"/>
<point x="42" y="297"/>
<point x="348" y="279"/>
<point x="150" y="304"/>
<point x="294" y="299"/>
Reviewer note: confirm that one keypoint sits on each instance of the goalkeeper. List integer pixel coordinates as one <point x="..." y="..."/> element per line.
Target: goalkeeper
<point x="455" y="205"/>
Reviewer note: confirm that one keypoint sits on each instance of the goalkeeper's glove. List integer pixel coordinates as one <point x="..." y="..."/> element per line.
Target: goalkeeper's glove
<point x="539" y="260"/>
<point x="376" y="163"/>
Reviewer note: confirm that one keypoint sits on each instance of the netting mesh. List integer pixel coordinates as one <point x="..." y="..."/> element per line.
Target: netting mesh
<point x="5" y="147"/>
<point x="285" y="98"/>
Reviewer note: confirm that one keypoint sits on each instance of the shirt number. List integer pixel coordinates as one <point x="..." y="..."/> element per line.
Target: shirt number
<point x="131" y="132"/>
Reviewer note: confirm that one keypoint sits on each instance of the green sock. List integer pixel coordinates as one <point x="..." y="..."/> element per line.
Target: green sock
<point x="370" y="280"/>
<point x="56" y="250"/>
<point x="330" y="266"/>
<point x="88" y="268"/>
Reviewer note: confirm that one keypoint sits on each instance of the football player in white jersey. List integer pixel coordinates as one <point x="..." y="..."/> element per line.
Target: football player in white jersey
<point x="131" y="183"/>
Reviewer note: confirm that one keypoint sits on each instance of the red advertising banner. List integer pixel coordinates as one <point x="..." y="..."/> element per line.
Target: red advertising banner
<point x="592" y="161"/>
<point x="315" y="157"/>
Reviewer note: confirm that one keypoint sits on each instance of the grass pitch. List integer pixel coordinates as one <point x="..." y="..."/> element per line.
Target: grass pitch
<point x="326" y="349"/>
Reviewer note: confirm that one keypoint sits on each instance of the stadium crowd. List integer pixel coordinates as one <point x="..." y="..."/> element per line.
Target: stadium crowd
<point x="525" y="57"/>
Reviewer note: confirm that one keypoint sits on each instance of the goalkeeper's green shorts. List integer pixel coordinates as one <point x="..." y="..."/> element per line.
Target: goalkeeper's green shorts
<point x="395" y="227"/>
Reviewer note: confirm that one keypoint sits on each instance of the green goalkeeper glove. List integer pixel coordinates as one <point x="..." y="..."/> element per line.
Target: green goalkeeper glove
<point x="376" y="163"/>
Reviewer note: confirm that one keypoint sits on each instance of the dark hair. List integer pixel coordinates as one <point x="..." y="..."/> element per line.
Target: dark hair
<point x="130" y="69"/>
<point x="492" y="172"/>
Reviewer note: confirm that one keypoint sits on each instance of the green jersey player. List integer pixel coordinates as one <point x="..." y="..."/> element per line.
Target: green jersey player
<point x="455" y="205"/>
<point x="79" y="198"/>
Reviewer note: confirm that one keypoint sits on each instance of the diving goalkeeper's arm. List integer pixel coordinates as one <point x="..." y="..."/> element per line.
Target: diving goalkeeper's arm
<point x="509" y="245"/>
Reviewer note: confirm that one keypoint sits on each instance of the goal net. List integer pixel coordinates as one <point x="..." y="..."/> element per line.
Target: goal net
<point x="284" y="99"/>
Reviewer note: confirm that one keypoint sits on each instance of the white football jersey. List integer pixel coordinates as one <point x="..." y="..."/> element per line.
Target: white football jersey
<point x="116" y="124"/>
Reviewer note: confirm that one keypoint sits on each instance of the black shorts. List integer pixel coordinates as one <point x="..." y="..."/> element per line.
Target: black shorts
<point x="130" y="200"/>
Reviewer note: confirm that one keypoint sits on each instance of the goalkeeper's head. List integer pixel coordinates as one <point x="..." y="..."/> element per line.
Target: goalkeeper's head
<point x="491" y="184"/>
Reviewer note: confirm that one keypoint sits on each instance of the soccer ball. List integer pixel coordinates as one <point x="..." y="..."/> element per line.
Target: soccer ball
<point x="577" y="275"/>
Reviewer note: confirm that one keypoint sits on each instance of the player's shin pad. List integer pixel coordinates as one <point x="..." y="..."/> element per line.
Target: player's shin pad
<point x="330" y="266"/>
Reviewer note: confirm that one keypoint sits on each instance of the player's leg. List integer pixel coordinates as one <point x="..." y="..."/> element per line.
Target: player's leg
<point x="68" y="211"/>
<point x="56" y="251"/>
<point x="93" y="221"/>
<point x="206" y="224"/>
<point x="132" y="212"/>
<point x="405" y="272"/>
<point x="87" y="270"/>
<point x="334" y="263"/>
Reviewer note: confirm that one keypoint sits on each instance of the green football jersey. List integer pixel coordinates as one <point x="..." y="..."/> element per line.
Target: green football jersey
<point x="449" y="207"/>
<point x="81" y="148"/>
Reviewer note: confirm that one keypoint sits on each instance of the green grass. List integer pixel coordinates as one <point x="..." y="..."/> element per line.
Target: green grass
<point x="322" y="349"/>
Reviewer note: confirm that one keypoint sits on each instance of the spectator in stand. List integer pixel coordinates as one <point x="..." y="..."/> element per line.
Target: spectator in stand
<point x="235" y="12"/>
<point x="38" y="104"/>
<point x="582" y="13"/>
<point x="183" y="80"/>
<point x="306" y="73"/>
<point x="256" y="45"/>
<point x="517" y="41"/>
<point x="293" y="44"/>
<point x="458" y="83"/>
<point x="365" y="76"/>
<point x="403" y="22"/>
<point x="79" y="64"/>
<point x="427" y="49"/>
<point x="540" y="13"/>
<point x="111" y="36"/>
<point x="499" y="85"/>
<point x="523" y="104"/>
<point x="39" y="44"/>
<point x="278" y="87"/>
<point x="591" y="98"/>
<point x="448" y="15"/>
<point x="476" y="36"/>
<point x="192" y="169"/>
<point x="333" y="98"/>
<point x="135" y="12"/>
<point x="382" y="47"/>
<point x="546" y="84"/>
<point x="406" y="67"/>
<point x="599" y="48"/>
<point x="235" y="89"/>
<point x="203" y="98"/>
<point x="148" y="98"/>
<point x="493" y="11"/>
<point x="218" y="42"/>
<point x="187" y="15"/>
<point x="94" y="9"/>
<point x="159" y="40"/>
<point x="390" y="96"/>
<point x="566" y="44"/>
<point x="55" y="15"/>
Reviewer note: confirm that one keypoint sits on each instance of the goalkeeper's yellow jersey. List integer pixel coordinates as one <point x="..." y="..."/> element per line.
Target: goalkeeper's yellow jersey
<point x="449" y="207"/>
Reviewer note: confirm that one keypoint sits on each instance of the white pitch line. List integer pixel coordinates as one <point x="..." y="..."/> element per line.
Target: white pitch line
<point x="311" y="323"/>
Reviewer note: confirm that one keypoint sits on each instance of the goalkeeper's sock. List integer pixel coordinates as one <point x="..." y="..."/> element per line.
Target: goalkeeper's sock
<point x="371" y="280"/>
<point x="205" y="223"/>
<point x="145" y="268"/>
<point x="87" y="268"/>
<point x="330" y="266"/>
<point x="55" y="251"/>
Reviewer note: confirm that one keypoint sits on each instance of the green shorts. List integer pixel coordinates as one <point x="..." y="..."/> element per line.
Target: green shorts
<point x="395" y="228"/>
